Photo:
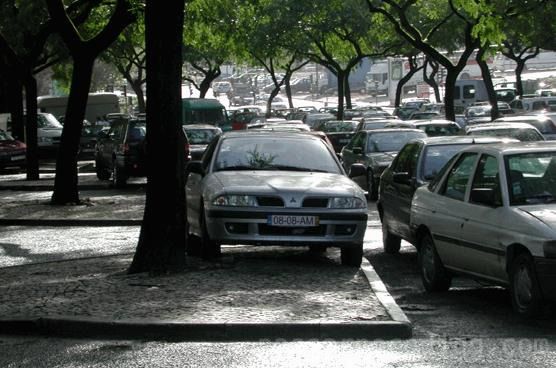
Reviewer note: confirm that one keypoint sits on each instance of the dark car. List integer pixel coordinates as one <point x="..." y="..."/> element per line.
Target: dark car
<point x="376" y="149"/>
<point x="438" y="127"/>
<point x="120" y="152"/>
<point x="199" y="136"/>
<point x="418" y="162"/>
<point x="12" y="151"/>
<point x="339" y="132"/>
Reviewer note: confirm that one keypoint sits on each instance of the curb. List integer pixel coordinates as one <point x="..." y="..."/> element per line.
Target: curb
<point x="209" y="331"/>
<point x="161" y="330"/>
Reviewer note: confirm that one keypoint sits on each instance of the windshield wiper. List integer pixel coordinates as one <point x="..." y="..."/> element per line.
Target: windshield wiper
<point x="293" y="168"/>
<point x="237" y="167"/>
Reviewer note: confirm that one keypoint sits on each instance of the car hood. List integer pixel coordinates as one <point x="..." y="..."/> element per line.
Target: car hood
<point x="269" y="182"/>
<point x="546" y="213"/>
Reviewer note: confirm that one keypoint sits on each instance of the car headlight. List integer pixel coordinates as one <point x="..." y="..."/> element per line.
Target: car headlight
<point x="235" y="200"/>
<point x="347" y="202"/>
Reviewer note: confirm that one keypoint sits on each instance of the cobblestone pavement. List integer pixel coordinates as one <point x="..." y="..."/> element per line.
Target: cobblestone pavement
<point x="249" y="284"/>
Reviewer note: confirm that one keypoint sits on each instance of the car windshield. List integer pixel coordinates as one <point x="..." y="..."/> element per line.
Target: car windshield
<point x="531" y="178"/>
<point x="48" y="121"/>
<point x="390" y="141"/>
<point x="137" y="131"/>
<point x="435" y="157"/>
<point x="524" y="135"/>
<point x="339" y="126"/>
<point x="271" y="153"/>
<point x="200" y="136"/>
<point x="435" y="130"/>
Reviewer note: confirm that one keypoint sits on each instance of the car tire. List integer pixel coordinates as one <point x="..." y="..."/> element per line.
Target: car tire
<point x="209" y="248"/>
<point x="372" y="192"/>
<point x="524" y="287"/>
<point x="434" y="276"/>
<point x="352" y="256"/>
<point x="118" y="177"/>
<point x="101" y="171"/>
<point x="192" y="243"/>
<point x="390" y="242"/>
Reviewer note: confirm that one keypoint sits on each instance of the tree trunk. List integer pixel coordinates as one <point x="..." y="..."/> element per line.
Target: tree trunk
<point x="65" y="182"/>
<point x="287" y="79"/>
<point x="31" y="128"/>
<point x="487" y="79"/>
<point x="430" y="79"/>
<point x="518" y="81"/>
<point x="16" y="107"/>
<point x="451" y="77"/>
<point x="137" y="87"/>
<point x="341" y="80"/>
<point x="347" y="90"/>
<point x="161" y="246"/>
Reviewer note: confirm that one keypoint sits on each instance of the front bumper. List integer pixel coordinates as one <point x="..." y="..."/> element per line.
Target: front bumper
<point x="546" y="275"/>
<point x="241" y="226"/>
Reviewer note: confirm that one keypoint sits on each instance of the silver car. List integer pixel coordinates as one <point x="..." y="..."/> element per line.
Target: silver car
<point x="274" y="188"/>
<point x="491" y="214"/>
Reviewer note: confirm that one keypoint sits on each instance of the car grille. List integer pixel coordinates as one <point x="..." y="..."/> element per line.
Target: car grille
<point x="265" y="229"/>
<point x="270" y="201"/>
<point x="315" y="202"/>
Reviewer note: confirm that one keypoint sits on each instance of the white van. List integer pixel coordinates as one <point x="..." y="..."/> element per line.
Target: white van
<point x="467" y="92"/>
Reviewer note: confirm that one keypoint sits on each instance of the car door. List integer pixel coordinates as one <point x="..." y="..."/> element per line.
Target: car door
<point x="446" y="213"/>
<point x="352" y="152"/>
<point x="481" y="252"/>
<point x="396" y="194"/>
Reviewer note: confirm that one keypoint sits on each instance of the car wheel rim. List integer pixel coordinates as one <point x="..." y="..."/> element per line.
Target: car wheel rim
<point x="523" y="286"/>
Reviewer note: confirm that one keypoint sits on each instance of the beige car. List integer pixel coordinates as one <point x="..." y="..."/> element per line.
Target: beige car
<point x="491" y="214"/>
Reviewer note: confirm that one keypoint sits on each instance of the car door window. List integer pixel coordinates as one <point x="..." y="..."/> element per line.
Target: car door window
<point x="406" y="160"/>
<point x="457" y="180"/>
<point x="487" y="177"/>
<point x="357" y="141"/>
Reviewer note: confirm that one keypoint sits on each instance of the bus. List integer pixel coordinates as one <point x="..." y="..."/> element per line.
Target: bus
<point x="98" y="105"/>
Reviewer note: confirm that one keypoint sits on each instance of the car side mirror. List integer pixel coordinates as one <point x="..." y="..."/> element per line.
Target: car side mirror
<point x="356" y="170"/>
<point x="401" y="178"/>
<point x="486" y="196"/>
<point x="195" y="167"/>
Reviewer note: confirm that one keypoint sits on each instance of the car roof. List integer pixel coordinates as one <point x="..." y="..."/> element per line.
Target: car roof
<point x="461" y="139"/>
<point x="434" y="122"/>
<point x="199" y="126"/>
<point x="500" y="125"/>
<point x="393" y="130"/>
<point x="261" y="133"/>
<point x="514" y="147"/>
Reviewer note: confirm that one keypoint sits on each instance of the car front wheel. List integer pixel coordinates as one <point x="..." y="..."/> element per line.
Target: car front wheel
<point x="118" y="176"/>
<point x="524" y="287"/>
<point x="433" y="274"/>
<point x="371" y="186"/>
<point x="352" y="256"/>
<point x="390" y="242"/>
<point x="209" y="248"/>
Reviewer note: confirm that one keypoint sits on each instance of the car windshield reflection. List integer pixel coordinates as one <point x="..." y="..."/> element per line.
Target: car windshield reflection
<point x="531" y="178"/>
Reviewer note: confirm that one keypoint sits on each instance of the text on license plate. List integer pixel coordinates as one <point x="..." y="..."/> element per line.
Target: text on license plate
<point x="292" y="220"/>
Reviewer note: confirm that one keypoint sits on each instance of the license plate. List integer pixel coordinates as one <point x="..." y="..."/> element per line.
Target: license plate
<point x="16" y="158"/>
<point x="293" y="220"/>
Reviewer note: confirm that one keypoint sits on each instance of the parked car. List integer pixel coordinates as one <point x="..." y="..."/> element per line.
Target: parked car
<point x="480" y="112"/>
<point x="376" y="149"/>
<point x="372" y="123"/>
<point x="417" y="163"/>
<point x="284" y="188"/>
<point x="438" y="127"/>
<point x="199" y="136"/>
<point x="339" y="132"/>
<point x="545" y="122"/>
<point x="522" y="131"/>
<point x="424" y="115"/>
<point x="490" y="215"/>
<point x="12" y="151"/>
